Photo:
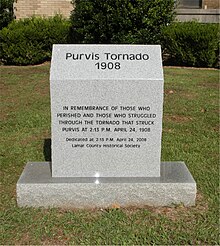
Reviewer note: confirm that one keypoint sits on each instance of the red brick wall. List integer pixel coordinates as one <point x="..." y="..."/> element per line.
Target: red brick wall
<point x="211" y="4"/>
<point x="28" y="8"/>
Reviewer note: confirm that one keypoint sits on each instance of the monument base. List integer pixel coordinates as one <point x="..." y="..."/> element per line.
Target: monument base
<point x="36" y="188"/>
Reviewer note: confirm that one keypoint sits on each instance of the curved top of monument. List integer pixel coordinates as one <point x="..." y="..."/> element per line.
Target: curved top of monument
<point x="73" y="62"/>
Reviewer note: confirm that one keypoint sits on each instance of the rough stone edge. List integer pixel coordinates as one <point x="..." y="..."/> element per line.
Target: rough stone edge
<point x="103" y="195"/>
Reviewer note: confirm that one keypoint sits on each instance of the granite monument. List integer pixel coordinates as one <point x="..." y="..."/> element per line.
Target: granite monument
<point x="106" y="111"/>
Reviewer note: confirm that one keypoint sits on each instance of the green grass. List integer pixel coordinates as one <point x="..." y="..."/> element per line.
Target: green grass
<point x="190" y="134"/>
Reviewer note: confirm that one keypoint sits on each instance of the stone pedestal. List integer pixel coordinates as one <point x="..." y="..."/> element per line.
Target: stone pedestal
<point x="37" y="188"/>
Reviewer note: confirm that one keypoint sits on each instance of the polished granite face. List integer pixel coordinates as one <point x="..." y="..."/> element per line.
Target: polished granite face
<point x="171" y="172"/>
<point x="65" y="67"/>
<point x="36" y="188"/>
<point x="106" y="121"/>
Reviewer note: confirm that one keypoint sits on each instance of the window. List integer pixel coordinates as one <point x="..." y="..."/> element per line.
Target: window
<point x="189" y="4"/>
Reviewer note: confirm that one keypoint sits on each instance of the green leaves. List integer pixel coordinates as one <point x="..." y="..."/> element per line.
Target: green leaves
<point x="6" y="12"/>
<point x="193" y="43"/>
<point x="29" y="41"/>
<point x="121" y="21"/>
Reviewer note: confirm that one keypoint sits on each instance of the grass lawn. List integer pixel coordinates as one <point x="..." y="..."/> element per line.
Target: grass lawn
<point x="190" y="134"/>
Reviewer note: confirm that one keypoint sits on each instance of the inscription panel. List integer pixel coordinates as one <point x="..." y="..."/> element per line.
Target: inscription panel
<point x="105" y="127"/>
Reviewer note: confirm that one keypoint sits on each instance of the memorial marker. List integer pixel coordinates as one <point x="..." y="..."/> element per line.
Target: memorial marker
<point x="107" y="118"/>
<point x="106" y="110"/>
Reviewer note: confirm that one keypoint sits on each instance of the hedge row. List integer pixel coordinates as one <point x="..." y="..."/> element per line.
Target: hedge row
<point x="192" y="43"/>
<point x="29" y="41"/>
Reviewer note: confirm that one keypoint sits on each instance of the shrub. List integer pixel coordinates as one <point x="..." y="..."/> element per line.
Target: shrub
<point x="6" y="12"/>
<point x="29" y="41"/>
<point x="192" y="43"/>
<point x="120" y="21"/>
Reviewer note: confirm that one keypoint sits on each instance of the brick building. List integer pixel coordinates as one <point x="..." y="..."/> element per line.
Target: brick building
<point x="203" y="10"/>
<point x="211" y="4"/>
<point x="28" y="8"/>
<point x="202" y="4"/>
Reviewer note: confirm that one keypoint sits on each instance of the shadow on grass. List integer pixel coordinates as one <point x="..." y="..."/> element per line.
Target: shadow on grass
<point x="47" y="149"/>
